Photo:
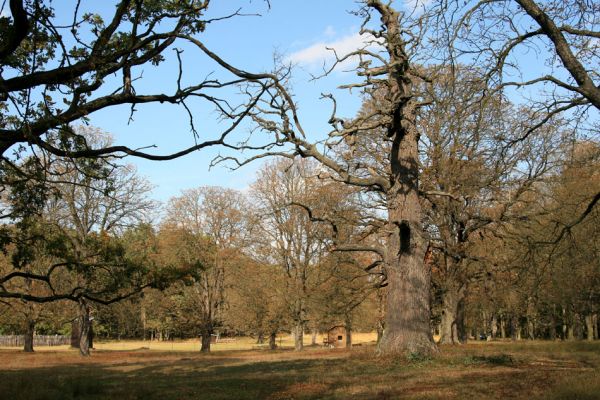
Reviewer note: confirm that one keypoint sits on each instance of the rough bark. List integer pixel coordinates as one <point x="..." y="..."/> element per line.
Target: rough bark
<point x="448" y="332"/>
<point x="407" y="319"/>
<point x="515" y="328"/>
<point x="348" y="326"/>
<point x="143" y="318"/>
<point x="380" y="315"/>
<point x="75" y="332"/>
<point x="85" y="328"/>
<point x="552" y="330"/>
<point x="530" y="319"/>
<point x="299" y="336"/>
<point x="28" y="336"/>
<point x="530" y="329"/>
<point x="205" y="341"/>
<point x="379" y="333"/>
<point x="589" y="326"/>
<point x="565" y="324"/>
<point x="577" y="326"/>
<point x="570" y="332"/>
<point x="407" y="324"/>
<point x="91" y="335"/>
<point x="452" y="324"/>
<point x="494" y="327"/>
<point x="273" y="340"/>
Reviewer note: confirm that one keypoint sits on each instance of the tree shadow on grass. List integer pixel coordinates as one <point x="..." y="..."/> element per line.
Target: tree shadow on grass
<point x="188" y="378"/>
<point x="192" y="376"/>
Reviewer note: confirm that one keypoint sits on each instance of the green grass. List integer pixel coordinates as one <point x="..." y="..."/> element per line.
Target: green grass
<point x="523" y="370"/>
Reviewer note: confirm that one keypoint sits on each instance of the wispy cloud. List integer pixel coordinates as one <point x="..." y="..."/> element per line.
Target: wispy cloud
<point x="329" y="32"/>
<point x="322" y="52"/>
<point x="419" y="5"/>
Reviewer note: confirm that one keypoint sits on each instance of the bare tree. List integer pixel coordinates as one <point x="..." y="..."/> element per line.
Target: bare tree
<point x="463" y="131"/>
<point x="286" y="237"/>
<point x="54" y="74"/>
<point x="505" y="38"/>
<point x="206" y="228"/>
<point x="389" y="69"/>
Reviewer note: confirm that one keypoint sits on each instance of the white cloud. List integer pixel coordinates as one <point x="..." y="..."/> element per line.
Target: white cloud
<point x="319" y="53"/>
<point x="329" y="31"/>
<point x="410" y="4"/>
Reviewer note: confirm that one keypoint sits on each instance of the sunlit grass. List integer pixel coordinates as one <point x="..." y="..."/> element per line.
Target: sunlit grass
<point x="238" y="343"/>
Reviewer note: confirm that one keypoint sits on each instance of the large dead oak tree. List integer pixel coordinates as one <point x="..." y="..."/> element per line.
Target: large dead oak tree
<point x="388" y="69"/>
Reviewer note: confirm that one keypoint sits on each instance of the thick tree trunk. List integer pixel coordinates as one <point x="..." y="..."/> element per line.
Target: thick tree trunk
<point x="452" y="325"/>
<point x="461" y="325"/>
<point x="407" y="327"/>
<point x="91" y="335"/>
<point x="565" y="324"/>
<point x="577" y="326"/>
<point x="570" y="332"/>
<point x="381" y="296"/>
<point x="299" y="336"/>
<point x="348" y="326"/>
<point x="448" y="331"/>
<point x="407" y="324"/>
<point x="589" y="327"/>
<point x="595" y="322"/>
<point x="530" y="319"/>
<point x="143" y="317"/>
<point x="314" y="337"/>
<point x="552" y="330"/>
<point x="84" y="328"/>
<point x="502" y="327"/>
<point x="515" y="328"/>
<point x="530" y="329"/>
<point x="273" y="340"/>
<point x="75" y="332"/>
<point x="493" y="327"/>
<point x="28" y="336"/>
<point x="379" y="333"/>
<point x="205" y="341"/>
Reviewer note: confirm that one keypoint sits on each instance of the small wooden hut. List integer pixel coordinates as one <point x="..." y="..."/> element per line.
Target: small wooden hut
<point x="336" y="337"/>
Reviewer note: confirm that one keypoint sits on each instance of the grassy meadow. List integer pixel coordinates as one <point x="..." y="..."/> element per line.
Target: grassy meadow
<point x="143" y="370"/>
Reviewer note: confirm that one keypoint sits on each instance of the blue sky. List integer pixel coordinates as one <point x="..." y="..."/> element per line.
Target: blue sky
<point x="298" y="30"/>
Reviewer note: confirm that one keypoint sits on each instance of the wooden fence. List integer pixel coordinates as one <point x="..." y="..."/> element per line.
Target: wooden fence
<point x="38" y="340"/>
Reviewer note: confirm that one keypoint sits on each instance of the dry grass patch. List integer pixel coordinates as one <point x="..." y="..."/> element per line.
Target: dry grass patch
<point x="490" y="371"/>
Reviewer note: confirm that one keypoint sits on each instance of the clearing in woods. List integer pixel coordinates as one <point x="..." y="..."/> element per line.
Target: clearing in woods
<point x="497" y="370"/>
